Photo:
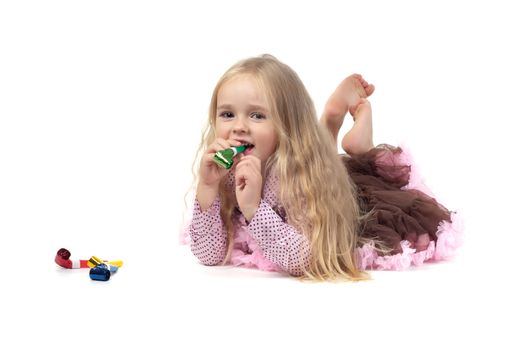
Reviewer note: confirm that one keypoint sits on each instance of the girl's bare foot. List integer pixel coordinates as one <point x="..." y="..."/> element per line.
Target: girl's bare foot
<point x="360" y="138"/>
<point x="345" y="99"/>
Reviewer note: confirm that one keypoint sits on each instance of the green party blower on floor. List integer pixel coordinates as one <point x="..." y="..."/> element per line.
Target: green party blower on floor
<point x="224" y="158"/>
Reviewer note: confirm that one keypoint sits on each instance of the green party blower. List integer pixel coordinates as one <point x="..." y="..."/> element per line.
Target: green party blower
<point x="224" y="158"/>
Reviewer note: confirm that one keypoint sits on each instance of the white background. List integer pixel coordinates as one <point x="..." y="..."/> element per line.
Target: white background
<point x="102" y="104"/>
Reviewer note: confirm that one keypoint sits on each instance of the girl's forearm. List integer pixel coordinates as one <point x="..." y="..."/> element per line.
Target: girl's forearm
<point x="208" y="234"/>
<point x="205" y="195"/>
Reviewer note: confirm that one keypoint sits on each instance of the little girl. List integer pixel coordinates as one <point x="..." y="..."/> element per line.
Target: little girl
<point x="290" y="202"/>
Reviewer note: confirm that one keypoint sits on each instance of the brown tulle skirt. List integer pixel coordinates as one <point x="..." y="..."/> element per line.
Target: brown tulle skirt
<point x="396" y="211"/>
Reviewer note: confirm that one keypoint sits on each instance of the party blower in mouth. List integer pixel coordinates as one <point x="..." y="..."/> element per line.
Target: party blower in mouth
<point x="224" y="158"/>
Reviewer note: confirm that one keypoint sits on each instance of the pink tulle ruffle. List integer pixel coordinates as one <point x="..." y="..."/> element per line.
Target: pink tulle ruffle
<point x="184" y="236"/>
<point x="246" y="252"/>
<point x="448" y="240"/>
<point x="449" y="234"/>
<point x="415" y="182"/>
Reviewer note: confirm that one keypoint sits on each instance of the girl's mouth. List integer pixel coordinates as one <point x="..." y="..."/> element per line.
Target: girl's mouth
<point x="249" y="148"/>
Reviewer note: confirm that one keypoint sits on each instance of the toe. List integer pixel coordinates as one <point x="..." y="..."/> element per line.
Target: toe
<point x="369" y="89"/>
<point x="360" y="79"/>
<point x="367" y="86"/>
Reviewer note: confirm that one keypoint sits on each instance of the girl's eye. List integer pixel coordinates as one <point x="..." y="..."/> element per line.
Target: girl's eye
<point x="258" y="116"/>
<point x="226" y="115"/>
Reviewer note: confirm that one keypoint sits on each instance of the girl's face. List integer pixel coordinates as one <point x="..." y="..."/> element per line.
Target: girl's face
<point x="242" y="114"/>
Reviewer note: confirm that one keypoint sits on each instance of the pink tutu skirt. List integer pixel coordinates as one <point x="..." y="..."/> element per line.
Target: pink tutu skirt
<point x="406" y="225"/>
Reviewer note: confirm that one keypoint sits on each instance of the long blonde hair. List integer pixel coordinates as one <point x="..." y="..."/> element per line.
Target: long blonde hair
<point x="315" y="190"/>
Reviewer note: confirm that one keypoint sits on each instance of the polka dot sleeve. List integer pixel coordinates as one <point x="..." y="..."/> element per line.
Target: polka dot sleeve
<point x="208" y="234"/>
<point x="281" y="243"/>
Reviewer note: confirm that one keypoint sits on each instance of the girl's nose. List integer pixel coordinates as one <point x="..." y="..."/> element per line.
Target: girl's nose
<point x="240" y="126"/>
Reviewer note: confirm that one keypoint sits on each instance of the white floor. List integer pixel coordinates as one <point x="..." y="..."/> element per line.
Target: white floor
<point x="162" y="298"/>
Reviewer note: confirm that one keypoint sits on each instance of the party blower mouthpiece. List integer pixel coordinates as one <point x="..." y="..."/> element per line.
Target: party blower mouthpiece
<point x="224" y="158"/>
<point x="113" y="266"/>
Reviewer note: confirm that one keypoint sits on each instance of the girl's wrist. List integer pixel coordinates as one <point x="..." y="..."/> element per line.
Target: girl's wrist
<point x="248" y="213"/>
<point x="206" y="186"/>
<point x="205" y="194"/>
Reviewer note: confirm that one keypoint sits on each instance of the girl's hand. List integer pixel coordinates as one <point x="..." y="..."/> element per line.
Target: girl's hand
<point x="210" y="173"/>
<point x="248" y="178"/>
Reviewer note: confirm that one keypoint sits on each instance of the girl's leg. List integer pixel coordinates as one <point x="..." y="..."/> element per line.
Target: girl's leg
<point x="346" y="98"/>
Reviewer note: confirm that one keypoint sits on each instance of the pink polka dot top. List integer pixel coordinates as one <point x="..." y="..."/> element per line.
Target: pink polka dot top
<point x="267" y="242"/>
